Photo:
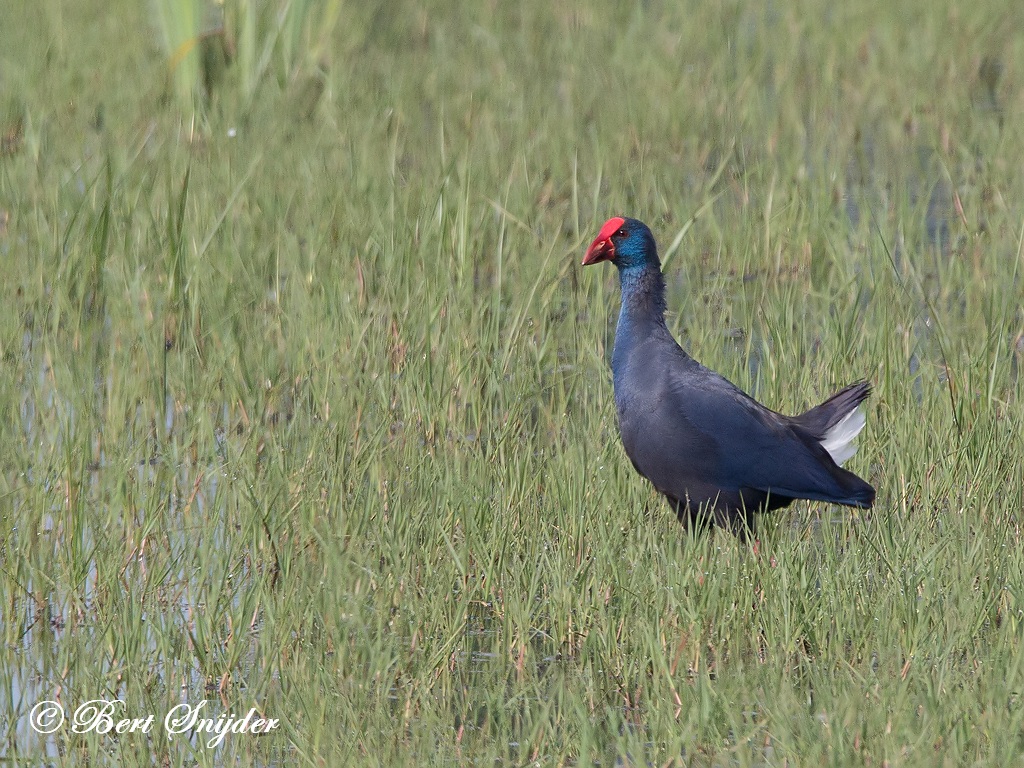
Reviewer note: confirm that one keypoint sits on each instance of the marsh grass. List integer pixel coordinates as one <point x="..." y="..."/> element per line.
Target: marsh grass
<point x="309" y="410"/>
<point x="219" y="54"/>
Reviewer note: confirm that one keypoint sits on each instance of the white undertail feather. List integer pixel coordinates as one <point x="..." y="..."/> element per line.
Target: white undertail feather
<point x="838" y="441"/>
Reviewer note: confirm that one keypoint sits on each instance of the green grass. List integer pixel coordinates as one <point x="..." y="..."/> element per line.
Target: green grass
<point x="307" y="405"/>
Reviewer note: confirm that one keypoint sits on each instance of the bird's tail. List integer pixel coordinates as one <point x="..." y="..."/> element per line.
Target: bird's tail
<point x="836" y="423"/>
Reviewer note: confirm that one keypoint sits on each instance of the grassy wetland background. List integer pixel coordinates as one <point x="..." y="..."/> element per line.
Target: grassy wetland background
<point x="306" y="403"/>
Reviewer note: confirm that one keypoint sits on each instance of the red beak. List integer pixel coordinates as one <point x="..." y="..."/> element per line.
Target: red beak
<point x="603" y="249"/>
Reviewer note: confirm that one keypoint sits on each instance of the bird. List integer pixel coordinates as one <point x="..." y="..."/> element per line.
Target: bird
<point x="715" y="453"/>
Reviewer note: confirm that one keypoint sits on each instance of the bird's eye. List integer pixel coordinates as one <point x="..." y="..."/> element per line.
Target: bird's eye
<point x="621" y="232"/>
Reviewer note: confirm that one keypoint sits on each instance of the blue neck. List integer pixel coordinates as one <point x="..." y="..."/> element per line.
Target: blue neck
<point x="642" y="313"/>
<point x="643" y="295"/>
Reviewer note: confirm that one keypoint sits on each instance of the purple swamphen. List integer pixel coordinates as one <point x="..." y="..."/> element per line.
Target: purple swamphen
<point x="711" y="449"/>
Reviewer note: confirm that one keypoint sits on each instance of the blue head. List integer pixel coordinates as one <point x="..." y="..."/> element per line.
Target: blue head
<point x="626" y="243"/>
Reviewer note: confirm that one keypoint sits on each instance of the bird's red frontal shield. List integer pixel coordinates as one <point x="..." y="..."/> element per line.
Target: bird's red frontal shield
<point x="603" y="249"/>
